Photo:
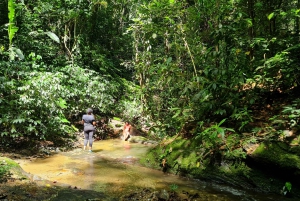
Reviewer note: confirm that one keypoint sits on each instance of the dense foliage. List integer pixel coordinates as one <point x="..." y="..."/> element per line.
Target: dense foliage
<point x="54" y="65"/>
<point x="201" y="68"/>
<point x="214" y="59"/>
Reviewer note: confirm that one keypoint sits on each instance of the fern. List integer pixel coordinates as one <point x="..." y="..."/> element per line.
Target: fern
<point x="12" y="29"/>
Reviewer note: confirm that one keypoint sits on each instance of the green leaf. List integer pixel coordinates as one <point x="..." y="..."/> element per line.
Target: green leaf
<point x="53" y="36"/>
<point x="249" y="22"/>
<point x="61" y="103"/>
<point x="197" y="96"/>
<point x="4" y="134"/>
<point x="230" y="129"/>
<point x="74" y="128"/>
<point x="13" y="129"/>
<point x="271" y="16"/>
<point x="221" y="122"/>
<point x="283" y="13"/>
<point x="169" y="60"/>
<point x="288" y="186"/>
<point x="214" y="86"/>
<point x="30" y="128"/>
<point x="64" y="120"/>
<point x="221" y="131"/>
<point x="18" y="53"/>
<point x="12" y="29"/>
<point x="174" y="108"/>
<point x="18" y="120"/>
<point x="177" y="113"/>
<point x="12" y="54"/>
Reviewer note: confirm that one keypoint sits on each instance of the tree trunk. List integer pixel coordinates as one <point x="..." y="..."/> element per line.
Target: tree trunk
<point x="251" y="31"/>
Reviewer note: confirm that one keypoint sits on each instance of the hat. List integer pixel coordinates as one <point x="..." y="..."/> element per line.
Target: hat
<point x="89" y="110"/>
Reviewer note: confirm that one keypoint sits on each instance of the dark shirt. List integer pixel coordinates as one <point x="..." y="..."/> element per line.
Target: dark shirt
<point x="88" y="122"/>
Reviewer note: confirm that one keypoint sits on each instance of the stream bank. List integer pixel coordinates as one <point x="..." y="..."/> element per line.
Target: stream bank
<point x="177" y="160"/>
<point x="112" y="172"/>
<point x="266" y="169"/>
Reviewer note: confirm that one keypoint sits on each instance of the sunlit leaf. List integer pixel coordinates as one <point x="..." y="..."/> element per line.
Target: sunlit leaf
<point x="53" y="36"/>
<point x="74" y="128"/>
<point x="270" y="16"/>
<point x="61" y="103"/>
<point x="12" y="29"/>
<point x="64" y="120"/>
<point x="221" y="122"/>
<point x="177" y="114"/>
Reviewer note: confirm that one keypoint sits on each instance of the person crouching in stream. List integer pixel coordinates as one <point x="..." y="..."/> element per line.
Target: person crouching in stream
<point x="89" y="124"/>
<point x="126" y="131"/>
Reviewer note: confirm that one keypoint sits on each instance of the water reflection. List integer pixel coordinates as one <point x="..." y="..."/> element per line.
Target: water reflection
<point x="112" y="168"/>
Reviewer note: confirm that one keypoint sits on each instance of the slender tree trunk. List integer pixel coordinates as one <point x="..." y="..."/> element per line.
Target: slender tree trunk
<point x="217" y="49"/>
<point x="251" y="31"/>
<point x="297" y="21"/>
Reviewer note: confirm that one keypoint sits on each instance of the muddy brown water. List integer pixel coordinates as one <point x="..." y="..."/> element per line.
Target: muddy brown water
<point x="112" y="168"/>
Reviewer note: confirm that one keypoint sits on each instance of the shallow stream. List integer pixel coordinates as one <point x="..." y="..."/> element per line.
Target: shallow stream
<point x="112" y="169"/>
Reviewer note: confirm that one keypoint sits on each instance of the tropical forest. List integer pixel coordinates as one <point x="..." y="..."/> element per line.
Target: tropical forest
<point x="211" y="89"/>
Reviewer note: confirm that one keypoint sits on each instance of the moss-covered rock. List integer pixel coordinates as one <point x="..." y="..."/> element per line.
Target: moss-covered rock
<point x="278" y="154"/>
<point x="187" y="157"/>
<point x="178" y="156"/>
<point x="9" y="168"/>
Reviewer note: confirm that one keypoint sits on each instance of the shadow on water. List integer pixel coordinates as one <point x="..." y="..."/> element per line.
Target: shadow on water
<point x="112" y="170"/>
